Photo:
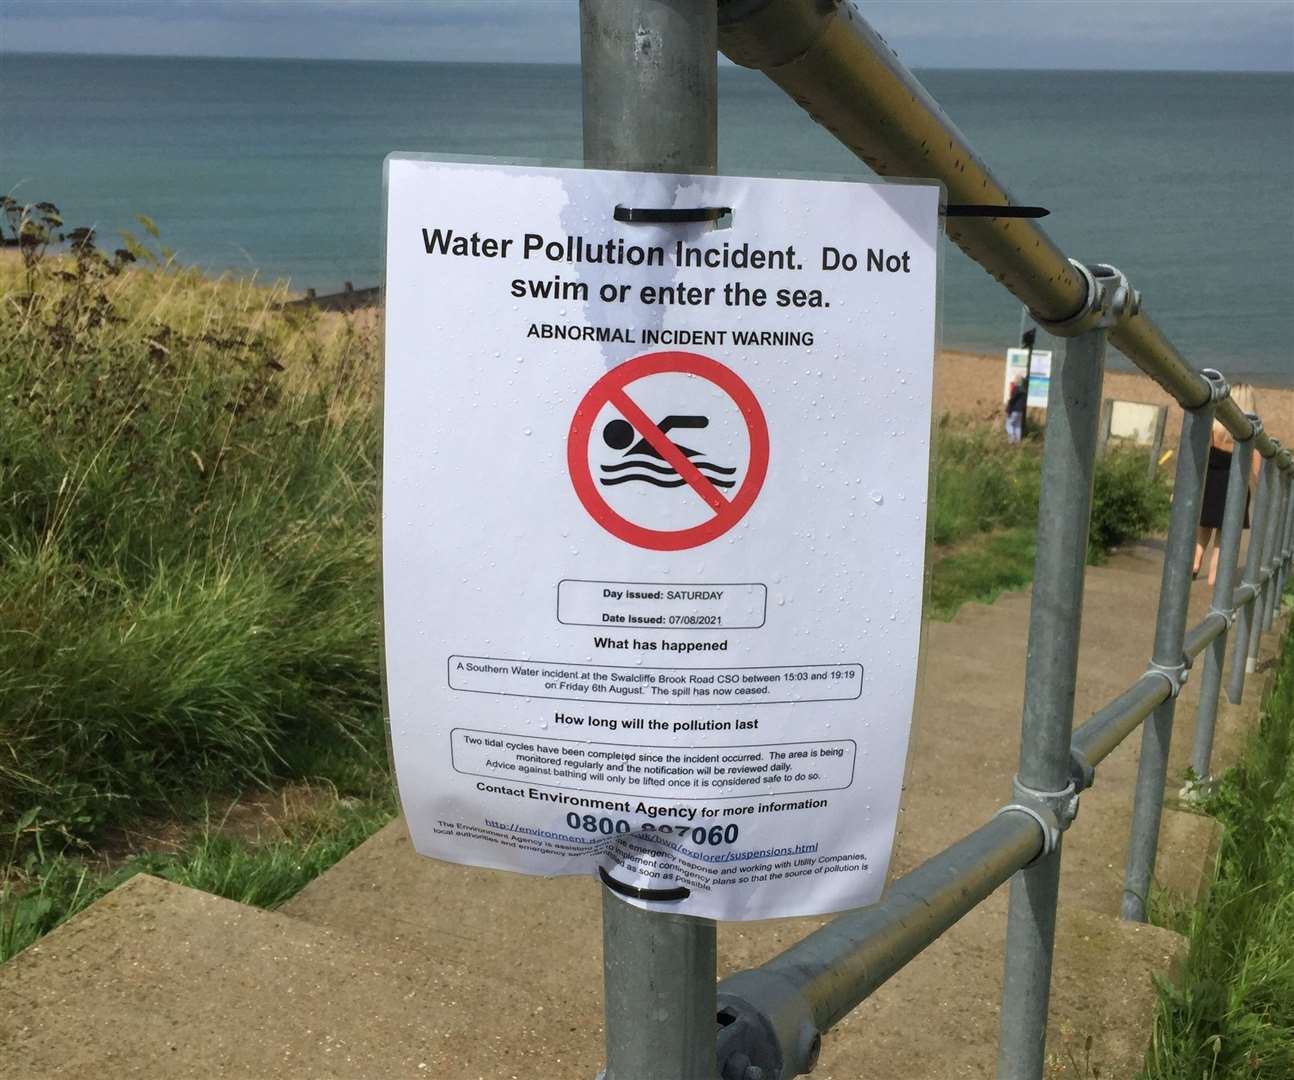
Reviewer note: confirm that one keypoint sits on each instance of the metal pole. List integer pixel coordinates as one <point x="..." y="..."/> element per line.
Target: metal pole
<point x="1264" y="539"/>
<point x="1027" y="338"/>
<point x="1286" y="552"/>
<point x="1274" y="556"/>
<point x="661" y="1001"/>
<point x="650" y="92"/>
<point x="1278" y="559"/>
<point x="1253" y="558"/>
<point x="1233" y="520"/>
<point x="1284" y="558"/>
<point x="1283" y="547"/>
<point x="651" y="84"/>
<point x="1043" y="780"/>
<point x="1168" y="657"/>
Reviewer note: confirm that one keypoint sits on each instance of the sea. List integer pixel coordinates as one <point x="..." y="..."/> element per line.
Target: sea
<point x="1183" y="180"/>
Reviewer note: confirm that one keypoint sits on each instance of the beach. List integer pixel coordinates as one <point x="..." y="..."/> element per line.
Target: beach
<point x="969" y="385"/>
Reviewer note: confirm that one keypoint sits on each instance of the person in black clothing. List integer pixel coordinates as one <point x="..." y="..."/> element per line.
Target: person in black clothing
<point x="1015" y="406"/>
<point x="1215" y="484"/>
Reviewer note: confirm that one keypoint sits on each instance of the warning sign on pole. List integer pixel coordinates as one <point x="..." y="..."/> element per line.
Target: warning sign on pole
<point x="1036" y="364"/>
<point x="654" y="496"/>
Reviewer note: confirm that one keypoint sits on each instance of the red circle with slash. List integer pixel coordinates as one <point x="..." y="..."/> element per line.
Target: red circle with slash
<point x="610" y="390"/>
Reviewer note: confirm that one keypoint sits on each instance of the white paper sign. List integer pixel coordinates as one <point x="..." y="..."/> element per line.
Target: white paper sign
<point x="654" y="502"/>
<point x="1018" y="361"/>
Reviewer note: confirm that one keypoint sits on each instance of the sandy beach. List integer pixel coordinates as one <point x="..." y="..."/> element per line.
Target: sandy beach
<point x="970" y="385"/>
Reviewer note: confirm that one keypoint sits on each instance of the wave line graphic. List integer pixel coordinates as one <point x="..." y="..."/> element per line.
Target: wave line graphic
<point x="665" y="469"/>
<point x="612" y="481"/>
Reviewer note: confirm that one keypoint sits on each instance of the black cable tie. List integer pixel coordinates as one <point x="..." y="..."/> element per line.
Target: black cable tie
<point x="650" y="215"/>
<point x="665" y="895"/>
<point x="985" y="210"/>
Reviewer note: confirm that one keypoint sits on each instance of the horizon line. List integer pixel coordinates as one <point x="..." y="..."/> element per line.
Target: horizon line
<point x="576" y="63"/>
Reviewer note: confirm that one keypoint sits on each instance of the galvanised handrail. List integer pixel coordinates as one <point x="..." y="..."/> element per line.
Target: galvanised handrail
<point x="842" y="73"/>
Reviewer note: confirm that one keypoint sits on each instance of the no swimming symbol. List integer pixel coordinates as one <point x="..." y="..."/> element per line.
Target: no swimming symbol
<point x="647" y="454"/>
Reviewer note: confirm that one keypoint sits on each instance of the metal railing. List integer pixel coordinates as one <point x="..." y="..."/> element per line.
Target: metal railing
<point x="660" y="969"/>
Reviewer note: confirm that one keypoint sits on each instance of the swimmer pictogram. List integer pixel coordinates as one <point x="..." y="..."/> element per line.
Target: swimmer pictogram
<point x="644" y="463"/>
<point x="612" y="431"/>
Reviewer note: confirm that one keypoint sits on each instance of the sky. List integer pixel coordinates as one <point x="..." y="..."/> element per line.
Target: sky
<point x="1227" y="35"/>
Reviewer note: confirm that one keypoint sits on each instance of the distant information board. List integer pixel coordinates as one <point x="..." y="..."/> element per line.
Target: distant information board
<point x="653" y="526"/>
<point x="1017" y="360"/>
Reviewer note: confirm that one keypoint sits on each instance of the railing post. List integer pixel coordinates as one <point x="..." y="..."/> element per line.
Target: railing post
<point x="1068" y="467"/>
<point x="1168" y="657"/>
<point x="1245" y="616"/>
<point x="1287" y="550"/>
<point x="661" y="998"/>
<point x="650" y="94"/>
<point x="1224" y="587"/>
<point x="1272" y="604"/>
<point x="1265" y="539"/>
<point x="1282" y="563"/>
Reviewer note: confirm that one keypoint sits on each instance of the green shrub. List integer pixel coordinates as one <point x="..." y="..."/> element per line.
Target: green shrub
<point x="981" y="569"/>
<point x="1127" y="502"/>
<point x="981" y="483"/>
<point x="986" y="508"/>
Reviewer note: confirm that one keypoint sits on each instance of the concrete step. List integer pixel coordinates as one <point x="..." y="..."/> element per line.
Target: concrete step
<point x="541" y="933"/>
<point x="156" y="980"/>
<point x="934" y="1020"/>
<point x="161" y="981"/>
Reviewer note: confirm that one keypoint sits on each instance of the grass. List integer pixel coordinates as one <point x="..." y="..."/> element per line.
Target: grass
<point x="981" y="483"/>
<point x="1232" y="1016"/>
<point x="263" y="870"/>
<point x="985" y="512"/>
<point x="187" y="581"/>
<point x="187" y="551"/>
<point x="981" y="569"/>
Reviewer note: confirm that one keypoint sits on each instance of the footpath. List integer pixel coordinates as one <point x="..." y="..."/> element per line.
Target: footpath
<point x="392" y="966"/>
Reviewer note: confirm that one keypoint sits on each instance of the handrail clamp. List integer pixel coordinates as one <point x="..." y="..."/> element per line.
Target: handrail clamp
<point x="1176" y="674"/>
<point x="1228" y="615"/>
<point x="1109" y="299"/>
<point x="767" y="1030"/>
<point x="1219" y="389"/>
<point x="1081" y="771"/>
<point x="1054" y="811"/>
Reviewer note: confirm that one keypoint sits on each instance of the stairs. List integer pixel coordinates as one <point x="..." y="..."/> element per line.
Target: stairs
<point x="390" y="965"/>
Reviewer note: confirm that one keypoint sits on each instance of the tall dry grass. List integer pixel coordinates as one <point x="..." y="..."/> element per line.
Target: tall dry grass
<point x="187" y="544"/>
